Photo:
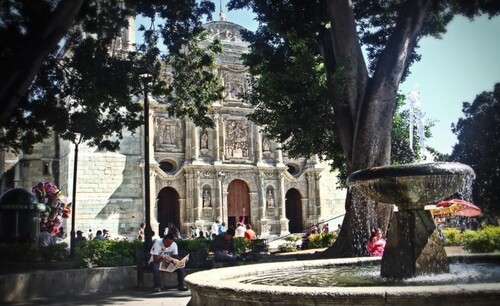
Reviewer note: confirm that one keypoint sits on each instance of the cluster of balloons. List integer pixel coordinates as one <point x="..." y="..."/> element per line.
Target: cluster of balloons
<point x="57" y="206"/>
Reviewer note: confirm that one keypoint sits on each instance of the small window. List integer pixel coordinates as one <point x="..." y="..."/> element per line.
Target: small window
<point x="293" y="169"/>
<point x="167" y="166"/>
<point x="46" y="168"/>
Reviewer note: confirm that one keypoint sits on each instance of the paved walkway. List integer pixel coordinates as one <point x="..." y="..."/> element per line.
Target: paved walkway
<point x="171" y="297"/>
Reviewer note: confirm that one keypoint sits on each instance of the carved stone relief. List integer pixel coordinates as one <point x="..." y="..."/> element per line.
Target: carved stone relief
<point x="236" y="138"/>
<point x="234" y="85"/>
<point x="266" y="147"/>
<point x="168" y="135"/>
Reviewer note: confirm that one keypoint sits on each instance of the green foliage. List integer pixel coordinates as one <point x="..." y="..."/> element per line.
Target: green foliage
<point x="107" y="253"/>
<point x="479" y="147"/>
<point x="57" y="251"/>
<point x="483" y="241"/>
<point x="15" y="252"/>
<point x="288" y="247"/>
<point x="452" y="236"/>
<point x="293" y="238"/>
<point x="193" y="245"/>
<point x="29" y="252"/>
<point x="321" y="240"/>
<point x="291" y="244"/>
<point x="88" y="83"/>
<point x="241" y="245"/>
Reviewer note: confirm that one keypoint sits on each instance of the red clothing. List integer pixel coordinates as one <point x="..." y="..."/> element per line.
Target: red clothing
<point x="376" y="248"/>
<point x="250" y="234"/>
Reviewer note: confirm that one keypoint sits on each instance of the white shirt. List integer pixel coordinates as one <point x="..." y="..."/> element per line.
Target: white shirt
<point x="240" y="231"/>
<point x="161" y="250"/>
<point x="215" y="228"/>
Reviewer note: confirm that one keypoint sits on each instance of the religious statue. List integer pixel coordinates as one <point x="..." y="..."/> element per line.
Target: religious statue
<point x="270" y="198"/>
<point x="204" y="140"/>
<point x="207" y="198"/>
<point x="266" y="144"/>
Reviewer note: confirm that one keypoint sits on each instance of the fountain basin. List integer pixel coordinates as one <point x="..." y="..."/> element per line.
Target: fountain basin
<point x="413" y="245"/>
<point x="411" y="185"/>
<point x="220" y="287"/>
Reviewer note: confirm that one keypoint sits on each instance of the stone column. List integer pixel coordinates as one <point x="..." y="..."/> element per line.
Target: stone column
<point x="259" y="144"/>
<point x="281" y="202"/>
<point x="195" y="191"/>
<point x="279" y="157"/>
<point x="262" y="198"/>
<point x="194" y="143"/>
<point x="216" y="143"/>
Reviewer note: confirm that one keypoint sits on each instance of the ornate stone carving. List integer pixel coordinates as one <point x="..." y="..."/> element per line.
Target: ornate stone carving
<point x="270" y="198"/>
<point x="207" y="198"/>
<point x="266" y="148"/>
<point x="234" y="85"/>
<point x="237" y="138"/>
<point x="168" y="136"/>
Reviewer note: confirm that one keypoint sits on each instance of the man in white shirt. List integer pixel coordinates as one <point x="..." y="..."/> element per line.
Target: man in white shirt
<point x="165" y="250"/>
<point x="215" y="229"/>
<point x="240" y="230"/>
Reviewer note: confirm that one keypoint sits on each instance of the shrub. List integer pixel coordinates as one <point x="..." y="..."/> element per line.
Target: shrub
<point x="58" y="251"/>
<point x="483" y="241"/>
<point x="452" y="236"/>
<point x="321" y="240"/>
<point x="193" y="245"/>
<point x="288" y="247"/>
<point x="15" y="252"/>
<point x="107" y="253"/>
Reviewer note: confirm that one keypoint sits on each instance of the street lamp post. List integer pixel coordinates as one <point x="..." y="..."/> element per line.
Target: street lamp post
<point x="147" y="231"/>
<point x="77" y="141"/>
<point x="221" y="176"/>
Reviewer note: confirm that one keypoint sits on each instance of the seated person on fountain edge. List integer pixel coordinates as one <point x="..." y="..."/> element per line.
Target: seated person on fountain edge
<point x="375" y="246"/>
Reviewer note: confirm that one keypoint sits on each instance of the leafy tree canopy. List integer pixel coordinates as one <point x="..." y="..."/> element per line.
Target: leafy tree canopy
<point x="66" y="68"/>
<point x="316" y="94"/>
<point x="478" y="135"/>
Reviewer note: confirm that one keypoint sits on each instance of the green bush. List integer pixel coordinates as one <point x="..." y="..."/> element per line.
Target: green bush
<point x="193" y="245"/>
<point x="288" y="247"/>
<point x="107" y="253"/>
<point x="29" y="252"/>
<point x="15" y="252"/>
<point x="453" y="237"/>
<point x="241" y="245"/>
<point x="321" y="240"/>
<point x="293" y="238"/>
<point x="483" y="241"/>
<point x="58" y="251"/>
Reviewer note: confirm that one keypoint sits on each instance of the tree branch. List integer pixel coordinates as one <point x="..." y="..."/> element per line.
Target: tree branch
<point x="23" y="66"/>
<point x="349" y="58"/>
<point x="377" y="110"/>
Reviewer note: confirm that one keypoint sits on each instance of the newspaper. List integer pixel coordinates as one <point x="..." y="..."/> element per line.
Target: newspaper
<point x="174" y="264"/>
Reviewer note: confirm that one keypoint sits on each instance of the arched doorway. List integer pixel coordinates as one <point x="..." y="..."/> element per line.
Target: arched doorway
<point x="168" y="209"/>
<point x="238" y="203"/>
<point x="293" y="209"/>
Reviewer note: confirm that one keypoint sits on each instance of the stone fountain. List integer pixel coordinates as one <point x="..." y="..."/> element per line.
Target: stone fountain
<point x="413" y="248"/>
<point x="413" y="244"/>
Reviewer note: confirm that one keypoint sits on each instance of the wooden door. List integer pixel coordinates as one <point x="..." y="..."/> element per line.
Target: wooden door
<point x="238" y="203"/>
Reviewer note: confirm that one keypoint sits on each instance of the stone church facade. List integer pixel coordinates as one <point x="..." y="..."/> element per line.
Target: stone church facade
<point x="230" y="173"/>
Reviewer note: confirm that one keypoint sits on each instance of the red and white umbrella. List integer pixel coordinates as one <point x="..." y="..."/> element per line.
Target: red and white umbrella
<point x="463" y="208"/>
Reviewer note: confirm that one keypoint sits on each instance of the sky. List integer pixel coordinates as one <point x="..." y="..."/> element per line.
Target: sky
<point x="454" y="69"/>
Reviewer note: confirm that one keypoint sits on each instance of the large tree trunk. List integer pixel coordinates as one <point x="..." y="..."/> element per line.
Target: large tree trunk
<point x="20" y="70"/>
<point x="366" y="137"/>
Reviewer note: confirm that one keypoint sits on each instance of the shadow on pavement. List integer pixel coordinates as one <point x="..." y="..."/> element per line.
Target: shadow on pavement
<point x="170" y="297"/>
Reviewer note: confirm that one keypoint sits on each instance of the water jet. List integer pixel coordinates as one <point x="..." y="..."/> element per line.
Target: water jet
<point x="410" y="187"/>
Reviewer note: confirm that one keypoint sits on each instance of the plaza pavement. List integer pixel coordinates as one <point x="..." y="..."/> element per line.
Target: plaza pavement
<point x="168" y="297"/>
